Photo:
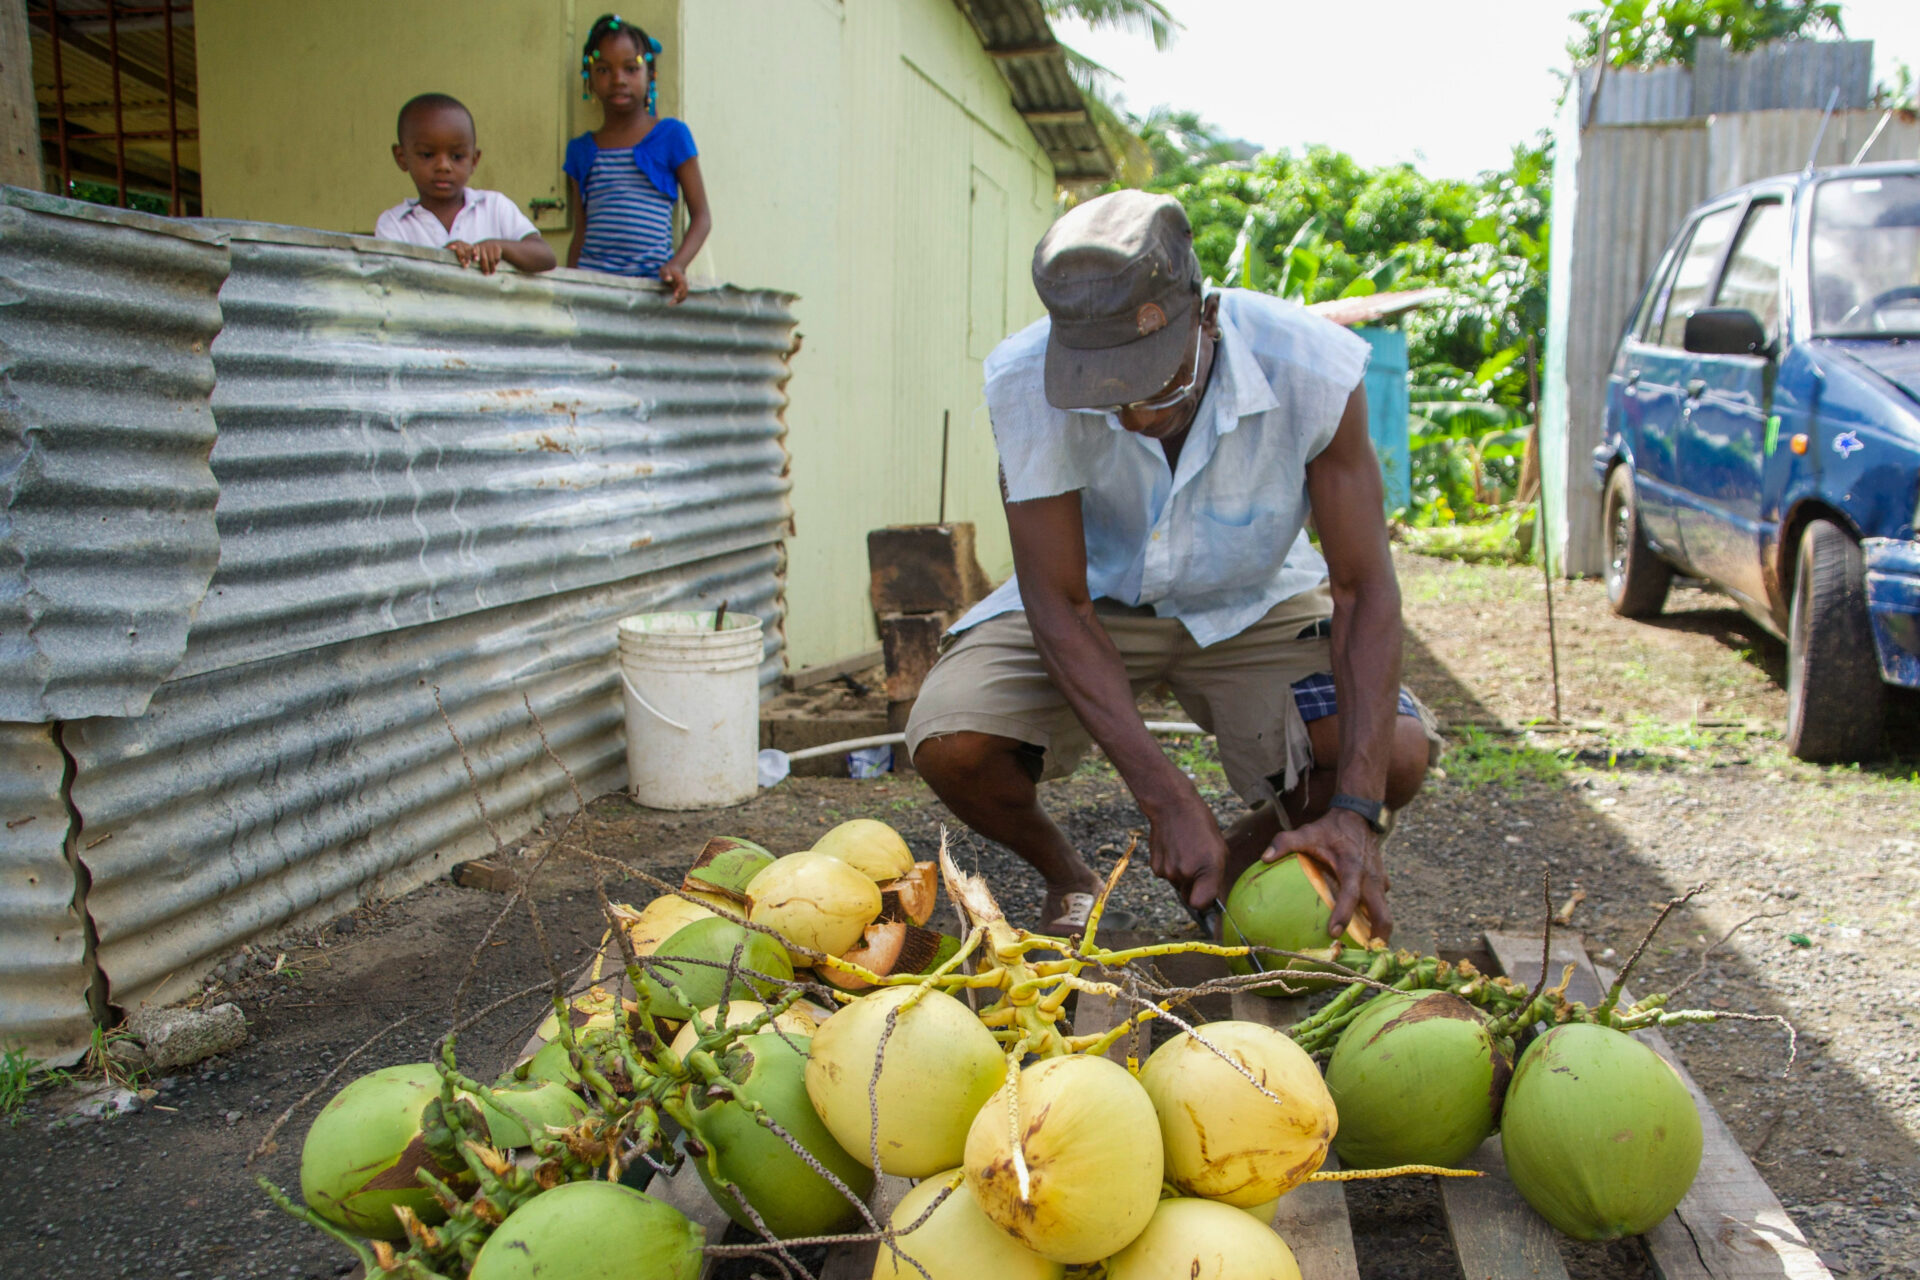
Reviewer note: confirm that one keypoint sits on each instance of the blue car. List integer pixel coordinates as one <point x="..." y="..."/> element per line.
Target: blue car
<point x="1763" y="434"/>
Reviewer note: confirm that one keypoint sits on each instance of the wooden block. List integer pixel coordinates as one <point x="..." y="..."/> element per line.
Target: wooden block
<point x="796" y="728"/>
<point x="910" y="645"/>
<point x="1730" y="1225"/>
<point x="821" y="672"/>
<point x="484" y="873"/>
<point x="924" y="568"/>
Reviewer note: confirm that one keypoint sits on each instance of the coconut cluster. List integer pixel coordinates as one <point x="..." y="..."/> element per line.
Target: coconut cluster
<point x="793" y="1028"/>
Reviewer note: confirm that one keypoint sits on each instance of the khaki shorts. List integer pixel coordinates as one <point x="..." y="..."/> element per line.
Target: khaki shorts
<point x="990" y="679"/>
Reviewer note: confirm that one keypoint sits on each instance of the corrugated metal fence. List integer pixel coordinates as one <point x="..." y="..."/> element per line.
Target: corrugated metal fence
<point x="428" y="481"/>
<point x="1659" y="143"/>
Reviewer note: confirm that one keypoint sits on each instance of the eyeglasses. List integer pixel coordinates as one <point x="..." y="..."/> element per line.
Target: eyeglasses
<point x="1168" y="399"/>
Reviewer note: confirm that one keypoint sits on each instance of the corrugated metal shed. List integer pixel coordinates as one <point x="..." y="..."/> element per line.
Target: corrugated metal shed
<point x="1659" y="142"/>
<point x="427" y="480"/>
<point x="107" y="535"/>
<point x="402" y="443"/>
<point x="254" y="796"/>
<point x="44" y="970"/>
<point x="1785" y="74"/>
<point x="1016" y="35"/>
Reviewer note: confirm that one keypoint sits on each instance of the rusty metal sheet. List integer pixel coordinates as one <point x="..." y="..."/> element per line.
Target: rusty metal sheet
<point x="252" y="797"/>
<point x="1017" y="36"/>
<point x="107" y="538"/>
<point x="44" y="965"/>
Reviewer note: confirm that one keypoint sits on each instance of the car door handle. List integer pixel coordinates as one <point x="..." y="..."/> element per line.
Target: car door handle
<point x="1695" y="388"/>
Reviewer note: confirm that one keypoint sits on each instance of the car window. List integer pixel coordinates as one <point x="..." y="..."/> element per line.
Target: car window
<point x="1645" y="324"/>
<point x="1752" y="278"/>
<point x="1695" y="276"/>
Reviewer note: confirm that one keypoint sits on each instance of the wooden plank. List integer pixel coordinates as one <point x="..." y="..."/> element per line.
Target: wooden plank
<point x="1730" y="1225"/>
<point x="821" y="672"/>
<point x="1497" y="1235"/>
<point x="1312" y="1218"/>
<point x="685" y="1192"/>
<point x="855" y="1261"/>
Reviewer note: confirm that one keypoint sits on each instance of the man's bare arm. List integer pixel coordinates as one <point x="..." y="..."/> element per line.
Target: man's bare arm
<point x="1344" y="487"/>
<point x="1049" y="555"/>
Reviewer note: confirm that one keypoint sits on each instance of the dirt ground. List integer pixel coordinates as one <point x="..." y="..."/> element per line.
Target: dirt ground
<point x="1672" y="775"/>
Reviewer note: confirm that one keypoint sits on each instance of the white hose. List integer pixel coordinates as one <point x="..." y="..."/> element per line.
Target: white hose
<point x="1165" y="728"/>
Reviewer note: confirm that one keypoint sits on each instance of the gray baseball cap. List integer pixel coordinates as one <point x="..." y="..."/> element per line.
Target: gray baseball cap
<point x="1119" y="278"/>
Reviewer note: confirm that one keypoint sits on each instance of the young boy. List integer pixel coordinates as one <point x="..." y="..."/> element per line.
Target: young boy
<point x="438" y="151"/>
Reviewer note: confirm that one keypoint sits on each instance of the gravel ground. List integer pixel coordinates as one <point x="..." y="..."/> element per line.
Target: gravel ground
<point x="1672" y="776"/>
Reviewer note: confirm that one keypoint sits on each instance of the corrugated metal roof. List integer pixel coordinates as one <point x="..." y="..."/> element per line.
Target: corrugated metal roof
<point x="1016" y="35"/>
<point x="107" y="537"/>
<point x="253" y="796"/>
<point x="402" y="441"/>
<point x="44" y="974"/>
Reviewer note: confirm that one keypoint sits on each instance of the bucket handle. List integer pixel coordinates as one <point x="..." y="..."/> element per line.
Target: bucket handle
<point x="663" y="719"/>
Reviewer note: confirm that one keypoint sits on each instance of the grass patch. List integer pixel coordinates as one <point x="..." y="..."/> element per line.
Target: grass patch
<point x="1478" y="759"/>
<point x="16" y="1082"/>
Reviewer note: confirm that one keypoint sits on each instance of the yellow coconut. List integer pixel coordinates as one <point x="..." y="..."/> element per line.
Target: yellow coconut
<point x="660" y="920"/>
<point x="1204" y="1240"/>
<point x="1225" y="1139"/>
<point x="958" y="1242"/>
<point x="872" y="848"/>
<point x="814" y="900"/>
<point x="793" y="1022"/>
<point x="941" y="1063"/>
<point x="1084" y="1178"/>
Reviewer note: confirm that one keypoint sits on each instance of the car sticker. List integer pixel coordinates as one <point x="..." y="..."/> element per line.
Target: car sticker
<point x="1773" y="434"/>
<point x="1846" y="444"/>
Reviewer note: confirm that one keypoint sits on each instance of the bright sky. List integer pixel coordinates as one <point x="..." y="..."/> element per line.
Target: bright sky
<point x="1449" y="86"/>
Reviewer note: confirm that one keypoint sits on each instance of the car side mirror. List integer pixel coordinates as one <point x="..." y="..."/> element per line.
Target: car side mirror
<point x="1726" y="331"/>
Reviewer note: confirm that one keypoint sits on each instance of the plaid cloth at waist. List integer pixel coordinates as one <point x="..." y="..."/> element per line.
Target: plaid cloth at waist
<point x="1314" y="697"/>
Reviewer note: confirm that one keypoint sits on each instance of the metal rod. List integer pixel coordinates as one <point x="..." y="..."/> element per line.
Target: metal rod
<point x="59" y="96"/>
<point x="946" y="425"/>
<point x="1874" y="136"/>
<point x="1544" y="537"/>
<point x="173" y="117"/>
<point x="1813" y="152"/>
<point x="119" y="120"/>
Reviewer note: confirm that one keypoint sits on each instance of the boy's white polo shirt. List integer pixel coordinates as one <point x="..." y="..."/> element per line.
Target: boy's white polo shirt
<point x="487" y="215"/>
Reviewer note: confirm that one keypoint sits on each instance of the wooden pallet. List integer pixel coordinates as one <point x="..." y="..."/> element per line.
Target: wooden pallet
<point x="1730" y="1226"/>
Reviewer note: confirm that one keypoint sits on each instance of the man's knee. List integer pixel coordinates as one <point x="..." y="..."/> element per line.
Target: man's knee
<point x="1407" y="770"/>
<point x="959" y="758"/>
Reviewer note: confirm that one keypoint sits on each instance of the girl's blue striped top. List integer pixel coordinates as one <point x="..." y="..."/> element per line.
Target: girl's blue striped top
<point x="628" y="196"/>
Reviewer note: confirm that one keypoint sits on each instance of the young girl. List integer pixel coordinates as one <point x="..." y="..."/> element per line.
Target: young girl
<point x="624" y="178"/>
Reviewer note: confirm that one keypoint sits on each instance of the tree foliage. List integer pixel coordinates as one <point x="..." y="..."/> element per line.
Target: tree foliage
<point x="1149" y="18"/>
<point x="1319" y="225"/>
<point x="1646" y="33"/>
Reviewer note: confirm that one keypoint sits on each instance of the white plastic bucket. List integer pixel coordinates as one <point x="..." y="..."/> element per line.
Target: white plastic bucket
<point x="693" y="708"/>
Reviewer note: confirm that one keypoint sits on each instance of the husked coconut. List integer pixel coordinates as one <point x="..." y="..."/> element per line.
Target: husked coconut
<point x="890" y="946"/>
<point x="913" y="896"/>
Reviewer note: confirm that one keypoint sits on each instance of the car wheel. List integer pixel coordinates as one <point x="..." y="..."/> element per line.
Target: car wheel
<point x="1836" y="704"/>
<point x="1637" y="578"/>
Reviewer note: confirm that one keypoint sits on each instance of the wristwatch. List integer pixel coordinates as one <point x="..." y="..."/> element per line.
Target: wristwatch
<point x="1368" y="809"/>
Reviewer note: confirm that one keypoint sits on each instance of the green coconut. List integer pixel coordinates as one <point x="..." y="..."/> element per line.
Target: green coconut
<point x="592" y="1231"/>
<point x="726" y="864"/>
<point x="537" y="1103"/>
<point x="790" y="1198"/>
<point x="360" y="1157"/>
<point x="1601" y="1135"/>
<point x="1416" y="1080"/>
<point x="1286" y="904"/>
<point x="714" y="940"/>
